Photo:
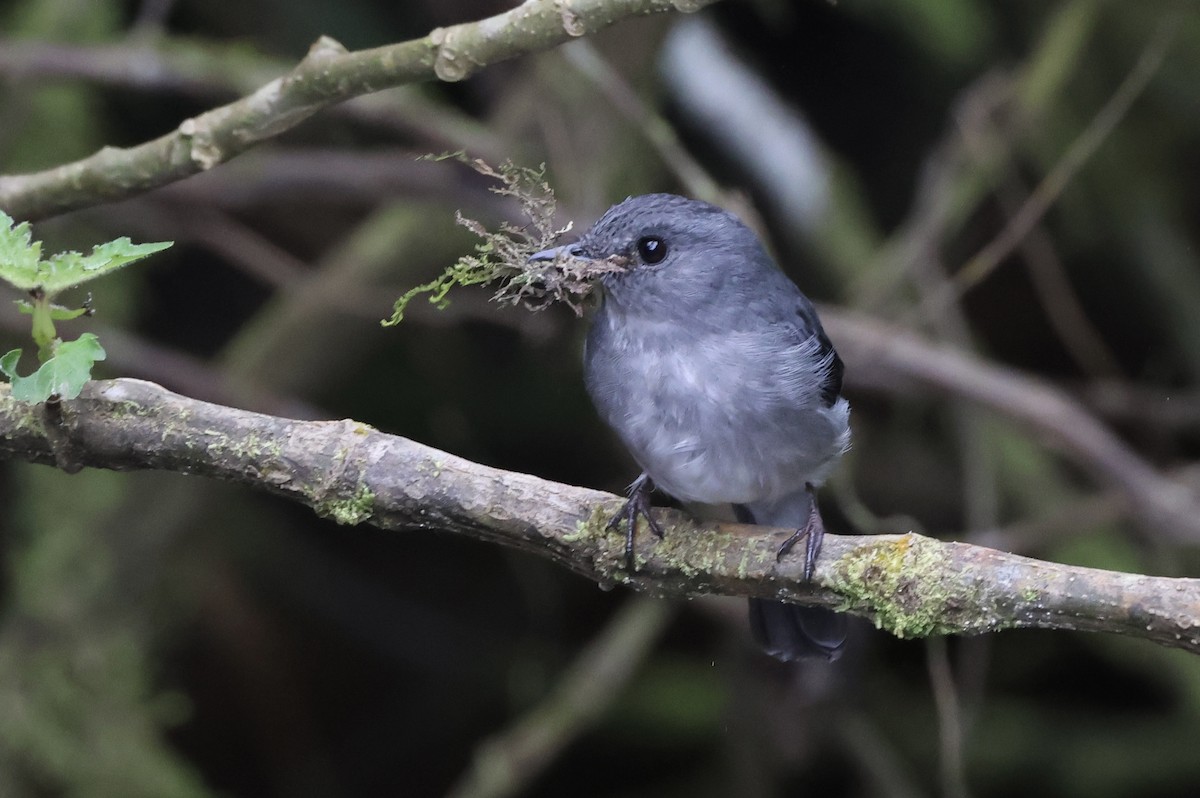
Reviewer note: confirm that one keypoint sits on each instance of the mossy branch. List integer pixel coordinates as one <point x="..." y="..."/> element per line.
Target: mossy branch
<point x="909" y="585"/>
<point x="329" y="74"/>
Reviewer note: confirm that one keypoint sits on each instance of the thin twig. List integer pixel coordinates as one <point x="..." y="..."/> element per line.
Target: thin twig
<point x="1152" y="408"/>
<point x="507" y="763"/>
<point x="217" y="72"/>
<point x="950" y="726"/>
<point x="661" y="135"/>
<point x="329" y="74"/>
<point x="1060" y="304"/>
<point x="1077" y="155"/>
<point x="877" y="759"/>
<point x="889" y="358"/>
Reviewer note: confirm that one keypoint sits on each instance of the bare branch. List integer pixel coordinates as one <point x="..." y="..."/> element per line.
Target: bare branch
<point x="884" y="356"/>
<point x="910" y="585"/>
<point x="1077" y="155"/>
<point x="214" y="72"/>
<point x="329" y="74"/>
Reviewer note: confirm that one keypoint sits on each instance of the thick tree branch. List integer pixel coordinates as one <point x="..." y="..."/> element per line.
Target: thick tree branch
<point x="327" y="75"/>
<point x="909" y="585"/>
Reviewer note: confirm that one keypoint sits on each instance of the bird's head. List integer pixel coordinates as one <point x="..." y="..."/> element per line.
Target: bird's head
<point x="673" y="253"/>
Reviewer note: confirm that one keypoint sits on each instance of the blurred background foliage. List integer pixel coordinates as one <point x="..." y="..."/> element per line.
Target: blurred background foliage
<point x="165" y="636"/>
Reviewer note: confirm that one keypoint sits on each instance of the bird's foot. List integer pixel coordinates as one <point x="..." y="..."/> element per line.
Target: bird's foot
<point x="638" y="504"/>
<point x="812" y="533"/>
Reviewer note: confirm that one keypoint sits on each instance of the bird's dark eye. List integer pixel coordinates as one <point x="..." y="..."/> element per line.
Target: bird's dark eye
<point x="652" y="249"/>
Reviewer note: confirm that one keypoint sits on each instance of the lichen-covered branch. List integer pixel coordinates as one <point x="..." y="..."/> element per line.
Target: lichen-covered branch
<point x="907" y="584"/>
<point x="327" y="75"/>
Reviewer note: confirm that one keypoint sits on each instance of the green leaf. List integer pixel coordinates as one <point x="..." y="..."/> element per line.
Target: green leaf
<point x="8" y="363"/>
<point x="69" y="269"/>
<point x="22" y="266"/>
<point x="18" y="253"/>
<point x="63" y="375"/>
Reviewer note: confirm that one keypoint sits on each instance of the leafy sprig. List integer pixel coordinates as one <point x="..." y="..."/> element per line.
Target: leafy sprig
<point x="65" y="365"/>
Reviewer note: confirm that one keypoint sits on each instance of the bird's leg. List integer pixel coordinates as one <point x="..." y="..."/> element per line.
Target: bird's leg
<point x="813" y="532"/>
<point x="637" y="504"/>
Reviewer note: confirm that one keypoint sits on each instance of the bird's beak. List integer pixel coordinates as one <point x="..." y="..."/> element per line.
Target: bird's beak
<point x="565" y="251"/>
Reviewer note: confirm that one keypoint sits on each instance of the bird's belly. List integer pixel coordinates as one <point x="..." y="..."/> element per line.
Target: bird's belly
<point x="707" y="420"/>
<point x="710" y="478"/>
<point x="717" y="461"/>
<point x="720" y="444"/>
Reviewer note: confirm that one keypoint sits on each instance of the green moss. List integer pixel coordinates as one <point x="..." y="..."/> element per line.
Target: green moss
<point x="592" y="526"/>
<point x="743" y="566"/>
<point x="902" y="583"/>
<point x="712" y="555"/>
<point x="127" y="408"/>
<point x="257" y="448"/>
<point x="351" y="510"/>
<point x="251" y="447"/>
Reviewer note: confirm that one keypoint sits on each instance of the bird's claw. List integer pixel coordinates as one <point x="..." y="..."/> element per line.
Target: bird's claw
<point x="812" y="533"/>
<point x="638" y="504"/>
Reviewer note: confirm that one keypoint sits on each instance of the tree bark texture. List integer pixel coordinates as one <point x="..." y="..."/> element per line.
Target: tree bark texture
<point x="909" y="585"/>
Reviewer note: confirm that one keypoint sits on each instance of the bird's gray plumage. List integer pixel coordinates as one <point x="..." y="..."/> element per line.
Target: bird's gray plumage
<point x="713" y="369"/>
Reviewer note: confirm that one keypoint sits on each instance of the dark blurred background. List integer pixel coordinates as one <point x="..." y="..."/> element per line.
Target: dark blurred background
<point x="165" y="636"/>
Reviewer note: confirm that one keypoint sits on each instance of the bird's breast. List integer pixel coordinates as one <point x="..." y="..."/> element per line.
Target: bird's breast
<point x="708" y="416"/>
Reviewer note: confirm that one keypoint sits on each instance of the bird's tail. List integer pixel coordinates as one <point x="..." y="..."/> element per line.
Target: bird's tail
<point x="789" y="632"/>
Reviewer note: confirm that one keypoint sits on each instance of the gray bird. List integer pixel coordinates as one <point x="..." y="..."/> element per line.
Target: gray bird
<point x="712" y="368"/>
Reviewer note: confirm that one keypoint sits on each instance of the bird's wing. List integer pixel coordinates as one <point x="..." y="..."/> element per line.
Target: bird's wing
<point x="812" y="344"/>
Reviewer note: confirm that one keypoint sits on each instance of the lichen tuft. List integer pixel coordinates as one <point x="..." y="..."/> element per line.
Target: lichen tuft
<point x="351" y="510"/>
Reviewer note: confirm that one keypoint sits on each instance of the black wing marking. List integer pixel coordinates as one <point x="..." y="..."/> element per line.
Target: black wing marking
<point x="831" y="387"/>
